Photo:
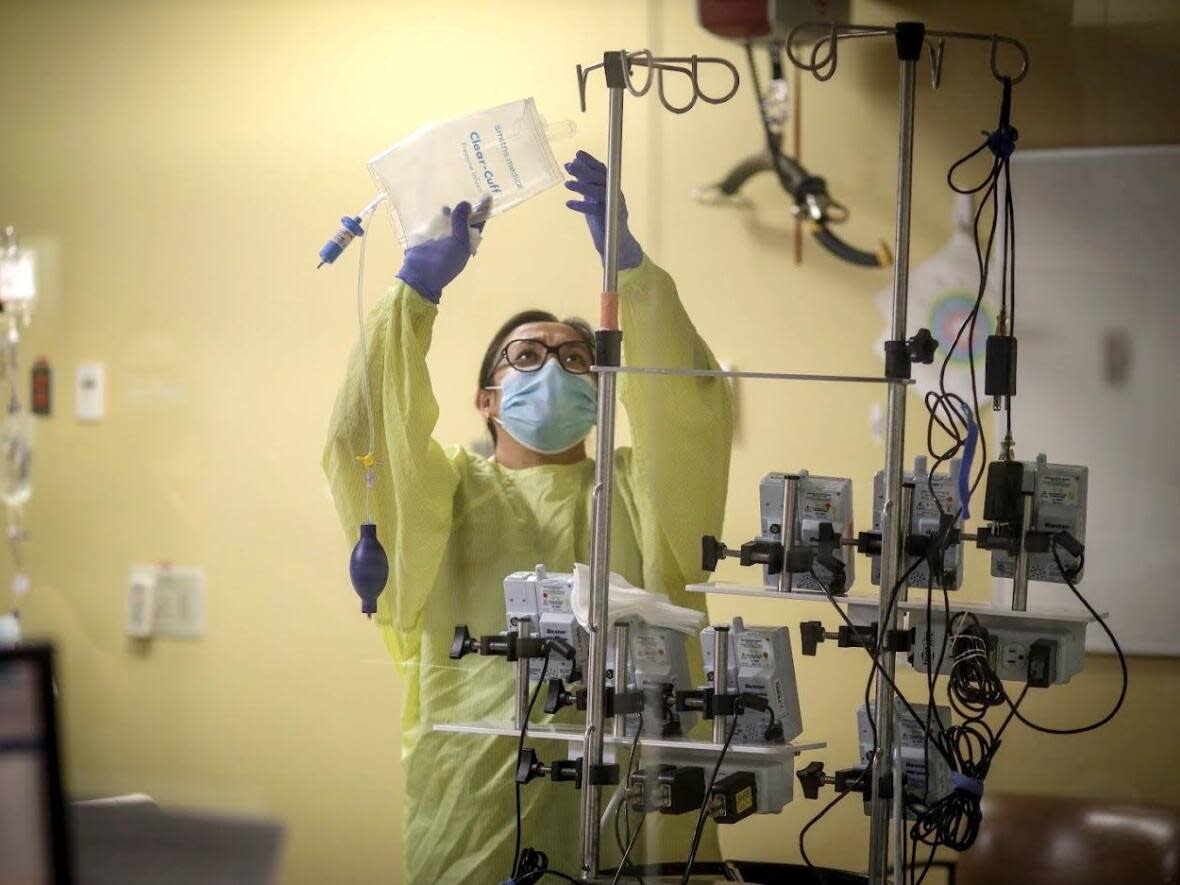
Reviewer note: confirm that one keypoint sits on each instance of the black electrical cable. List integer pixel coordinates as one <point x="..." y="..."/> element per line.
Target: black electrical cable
<point x="939" y="541"/>
<point x="625" y="849"/>
<point x="938" y="544"/>
<point x="773" y="141"/>
<point x="626" y="845"/>
<point x="1010" y="246"/>
<point x="874" y="656"/>
<point x="973" y="689"/>
<point x="956" y="814"/>
<point x="933" y="668"/>
<point x="623" y="862"/>
<point x="1008" y="253"/>
<point x="954" y="423"/>
<point x="953" y="408"/>
<point x="534" y="866"/>
<point x="931" y="714"/>
<point x="516" y="855"/>
<point x="973" y="686"/>
<point x="934" y="560"/>
<point x="926" y="866"/>
<point x="875" y="653"/>
<point x="704" y="812"/>
<point x="855" y="784"/>
<point x="1068" y="576"/>
<point x="811" y="823"/>
<point x="621" y="842"/>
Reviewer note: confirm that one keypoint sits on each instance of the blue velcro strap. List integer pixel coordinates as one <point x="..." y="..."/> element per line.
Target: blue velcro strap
<point x="968" y="460"/>
<point x="1002" y="142"/>
<point x="969" y="784"/>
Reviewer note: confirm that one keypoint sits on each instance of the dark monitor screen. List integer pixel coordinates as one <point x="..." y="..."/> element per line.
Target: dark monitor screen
<point x="33" y="847"/>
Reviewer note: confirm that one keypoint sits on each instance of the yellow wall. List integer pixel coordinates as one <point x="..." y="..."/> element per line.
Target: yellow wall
<point x="181" y="163"/>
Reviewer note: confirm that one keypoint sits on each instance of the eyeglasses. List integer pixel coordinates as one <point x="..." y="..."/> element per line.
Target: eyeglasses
<point x="529" y="355"/>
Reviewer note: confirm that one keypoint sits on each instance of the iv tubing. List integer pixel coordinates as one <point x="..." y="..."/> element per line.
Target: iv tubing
<point x="366" y="459"/>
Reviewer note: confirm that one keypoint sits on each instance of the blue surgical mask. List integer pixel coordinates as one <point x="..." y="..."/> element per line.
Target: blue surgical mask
<point x="547" y="411"/>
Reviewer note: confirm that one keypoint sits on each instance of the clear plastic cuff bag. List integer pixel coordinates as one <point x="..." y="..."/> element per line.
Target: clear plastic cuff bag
<point x="501" y="154"/>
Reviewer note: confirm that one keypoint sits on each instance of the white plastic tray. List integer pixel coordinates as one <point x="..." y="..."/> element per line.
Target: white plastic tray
<point x="574" y="734"/>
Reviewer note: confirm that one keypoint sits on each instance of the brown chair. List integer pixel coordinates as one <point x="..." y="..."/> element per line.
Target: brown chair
<point x="1037" y="840"/>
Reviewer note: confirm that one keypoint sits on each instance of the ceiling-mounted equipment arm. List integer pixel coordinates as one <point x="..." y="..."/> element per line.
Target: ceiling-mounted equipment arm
<point x="846" y="251"/>
<point x="812" y="204"/>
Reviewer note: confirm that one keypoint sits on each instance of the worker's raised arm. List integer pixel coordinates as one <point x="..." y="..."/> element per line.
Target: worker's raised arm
<point x="413" y="494"/>
<point x="681" y="428"/>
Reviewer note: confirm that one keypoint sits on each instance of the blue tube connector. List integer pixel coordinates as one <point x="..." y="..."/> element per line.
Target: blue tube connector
<point x="368" y="568"/>
<point x="350" y="229"/>
<point x="968" y="460"/>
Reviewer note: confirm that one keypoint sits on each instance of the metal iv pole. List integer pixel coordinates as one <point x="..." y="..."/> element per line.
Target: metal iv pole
<point x="910" y="38"/>
<point x="893" y="530"/>
<point x="608" y="347"/>
<point x="608" y="354"/>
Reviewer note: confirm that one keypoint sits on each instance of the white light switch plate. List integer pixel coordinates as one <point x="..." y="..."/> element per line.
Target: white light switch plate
<point x="90" y="392"/>
<point x="140" y="619"/>
<point x="165" y="601"/>
<point x="180" y="603"/>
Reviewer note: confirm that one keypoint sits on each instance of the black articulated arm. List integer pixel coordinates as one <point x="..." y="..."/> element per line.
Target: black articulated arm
<point x="811" y="204"/>
<point x="847" y="252"/>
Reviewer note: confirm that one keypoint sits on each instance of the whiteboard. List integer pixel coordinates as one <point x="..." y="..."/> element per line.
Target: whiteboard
<point x="1098" y="324"/>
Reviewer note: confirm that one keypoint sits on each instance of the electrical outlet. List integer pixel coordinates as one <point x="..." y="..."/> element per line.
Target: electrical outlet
<point x="1058" y="640"/>
<point x="1015" y="654"/>
<point x="1042" y="663"/>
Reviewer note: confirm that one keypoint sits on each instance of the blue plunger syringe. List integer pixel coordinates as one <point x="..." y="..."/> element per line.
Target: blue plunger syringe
<point x="350" y="229"/>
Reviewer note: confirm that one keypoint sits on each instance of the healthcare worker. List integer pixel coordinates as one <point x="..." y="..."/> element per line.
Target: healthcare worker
<point x="455" y="524"/>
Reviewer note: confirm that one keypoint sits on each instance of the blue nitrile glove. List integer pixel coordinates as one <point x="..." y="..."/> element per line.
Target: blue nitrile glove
<point x="429" y="267"/>
<point x="589" y="180"/>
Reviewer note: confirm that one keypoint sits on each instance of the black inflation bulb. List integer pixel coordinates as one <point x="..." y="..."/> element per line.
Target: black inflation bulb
<point x="368" y="567"/>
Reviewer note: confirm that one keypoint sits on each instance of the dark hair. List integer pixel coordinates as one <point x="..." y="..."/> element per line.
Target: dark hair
<point x="495" y="347"/>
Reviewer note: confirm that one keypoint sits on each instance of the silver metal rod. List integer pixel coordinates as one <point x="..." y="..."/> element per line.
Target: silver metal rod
<point x="771" y="376"/>
<point x="622" y="638"/>
<point x="906" y="508"/>
<point x="826" y="36"/>
<point x="591" y="795"/>
<point x="524" y="629"/>
<point x="720" y="677"/>
<point x="787" y="527"/>
<point x="995" y="40"/>
<point x="1020" y="567"/>
<point x="892" y="524"/>
<point x="614" y="193"/>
